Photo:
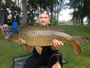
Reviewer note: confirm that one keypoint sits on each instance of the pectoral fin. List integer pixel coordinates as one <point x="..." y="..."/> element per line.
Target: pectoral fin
<point x="39" y="50"/>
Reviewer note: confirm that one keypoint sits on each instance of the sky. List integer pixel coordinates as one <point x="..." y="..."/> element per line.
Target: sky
<point x="65" y="15"/>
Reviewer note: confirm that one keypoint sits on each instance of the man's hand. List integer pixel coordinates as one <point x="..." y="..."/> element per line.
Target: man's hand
<point x="56" y="44"/>
<point x="6" y="37"/>
<point x="21" y="41"/>
<point x="27" y="48"/>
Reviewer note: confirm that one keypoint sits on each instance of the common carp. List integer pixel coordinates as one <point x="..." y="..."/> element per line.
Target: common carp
<point x="40" y="36"/>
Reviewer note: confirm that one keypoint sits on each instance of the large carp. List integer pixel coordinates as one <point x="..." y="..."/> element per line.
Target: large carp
<point x="44" y="35"/>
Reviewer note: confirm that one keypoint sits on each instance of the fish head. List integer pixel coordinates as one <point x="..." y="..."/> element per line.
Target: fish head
<point x="14" y="35"/>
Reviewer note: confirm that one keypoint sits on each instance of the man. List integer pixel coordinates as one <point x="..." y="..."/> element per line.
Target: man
<point x="50" y="56"/>
<point x="1" y="23"/>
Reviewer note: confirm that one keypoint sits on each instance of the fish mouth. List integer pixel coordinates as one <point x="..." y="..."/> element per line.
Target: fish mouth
<point x="13" y="35"/>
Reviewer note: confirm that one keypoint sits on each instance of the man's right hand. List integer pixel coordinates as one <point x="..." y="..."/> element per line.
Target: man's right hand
<point x="27" y="48"/>
<point x="21" y="41"/>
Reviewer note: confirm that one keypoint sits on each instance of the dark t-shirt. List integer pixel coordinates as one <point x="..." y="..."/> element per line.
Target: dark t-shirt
<point x="46" y="51"/>
<point x="46" y="55"/>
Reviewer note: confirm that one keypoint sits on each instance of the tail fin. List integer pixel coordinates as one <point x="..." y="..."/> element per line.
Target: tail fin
<point x="76" y="47"/>
<point x="75" y="43"/>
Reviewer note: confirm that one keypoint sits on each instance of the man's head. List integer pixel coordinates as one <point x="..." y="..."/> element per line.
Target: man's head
<point x="44" y="19"/>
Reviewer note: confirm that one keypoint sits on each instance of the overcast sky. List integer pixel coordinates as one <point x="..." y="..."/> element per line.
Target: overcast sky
<point x="65" y="15"/>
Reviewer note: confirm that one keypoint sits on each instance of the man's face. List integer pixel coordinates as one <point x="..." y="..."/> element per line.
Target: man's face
<point x="43" y="19"/>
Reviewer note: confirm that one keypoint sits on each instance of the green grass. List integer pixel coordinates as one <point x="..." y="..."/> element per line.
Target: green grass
<point x="9" y="49"/>
<point x="74" y="61"/>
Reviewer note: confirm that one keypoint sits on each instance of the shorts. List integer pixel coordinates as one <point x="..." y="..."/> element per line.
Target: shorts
<point x="38" y="62"/>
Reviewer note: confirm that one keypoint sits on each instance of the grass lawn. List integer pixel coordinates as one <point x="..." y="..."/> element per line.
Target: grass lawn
<point x="9" y="49"/>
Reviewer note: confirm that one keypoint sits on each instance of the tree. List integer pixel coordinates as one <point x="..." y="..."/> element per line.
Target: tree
<point x="51" y="6"/>
<point x="24" y="18"/>
<point x="31" y="8"/>
<point x="81" y="10"/>
<point x="13" y="7"/>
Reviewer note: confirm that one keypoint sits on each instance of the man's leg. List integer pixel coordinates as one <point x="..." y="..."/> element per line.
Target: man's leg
<point x="33" y="62"/>
<point x="57" y="65"/>
<point x="56" y="61"/>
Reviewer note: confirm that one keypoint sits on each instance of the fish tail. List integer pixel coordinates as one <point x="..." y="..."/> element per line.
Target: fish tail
<point x="75" y="43"/>
<point x="75" y="46"/>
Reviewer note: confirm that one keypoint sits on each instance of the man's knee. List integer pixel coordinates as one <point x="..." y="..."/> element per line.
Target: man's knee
<point x="56" y="60"/>
<point x="57" y="65"/>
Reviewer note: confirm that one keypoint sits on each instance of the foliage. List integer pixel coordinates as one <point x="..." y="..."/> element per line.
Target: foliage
<point x="7" y="6"/>
<point x="81" y="10"/>
<point x="51" y="6"/>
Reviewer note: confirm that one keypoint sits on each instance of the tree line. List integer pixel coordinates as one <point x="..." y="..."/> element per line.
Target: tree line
<point x="81" y="10"/>
<point x="28" y="10"/>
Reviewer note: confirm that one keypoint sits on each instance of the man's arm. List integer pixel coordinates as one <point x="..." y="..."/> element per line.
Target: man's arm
<point x="27" y="48"/>
<point x="3" y="32"/>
